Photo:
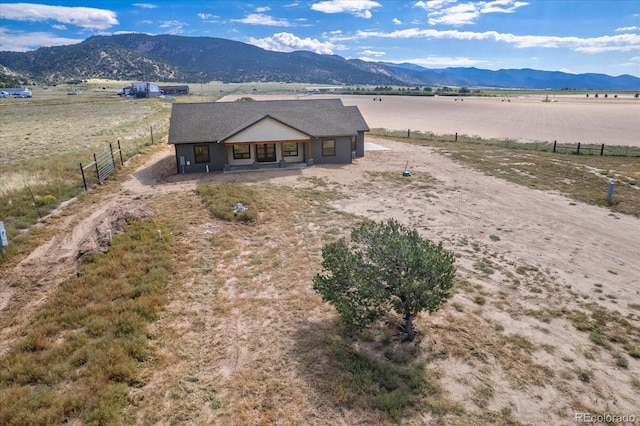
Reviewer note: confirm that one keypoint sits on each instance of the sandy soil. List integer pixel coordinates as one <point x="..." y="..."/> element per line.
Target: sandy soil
<point x="569" y="119"/>
<point x="571" y="246"/>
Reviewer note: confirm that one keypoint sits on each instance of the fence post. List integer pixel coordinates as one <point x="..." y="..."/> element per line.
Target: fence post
<point x="408" y="133"/>
<point x="113" y="160"/>
<point x="602" y="150"/>
<point x="456" y="137"/>
<point x="35" y="203"/>
<point x="84" y="181"/>
<point x="151" y="128"/>
<point x="95" y="160"/>
<point x="120" y="151"/>
<point x="578" y="151"/>
<point x="554" y="145"/>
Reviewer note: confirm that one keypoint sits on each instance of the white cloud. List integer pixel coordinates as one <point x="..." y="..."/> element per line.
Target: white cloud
<point x="396" y="21"/>
<point x="287" y="42"/>
<point x="443" y="61"/>
<point x="59" y="27"/>
<point x="173" y="27"/>
<point x="263" y="9"/>
<point x="449" y="12"/>
<point x="208" y="17"/>
<point x="145" y="5"/>
<point x="376" y="53"/>
<point x="19" y="41"/>
<point x="621" y="43"/>
<point x="84" y="17"/>
<point x="359" y="8"/>
<point x="634" y="28"/>
<point x="261" y="19"/>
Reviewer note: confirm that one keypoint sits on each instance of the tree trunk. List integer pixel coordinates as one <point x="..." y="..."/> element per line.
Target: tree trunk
<point x="408" y="328"/>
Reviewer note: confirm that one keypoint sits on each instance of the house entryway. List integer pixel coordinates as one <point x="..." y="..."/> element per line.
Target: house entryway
<point x="266" y="153"/>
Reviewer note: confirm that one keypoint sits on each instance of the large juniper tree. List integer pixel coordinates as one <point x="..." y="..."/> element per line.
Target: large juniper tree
<point x="385" y="267"/>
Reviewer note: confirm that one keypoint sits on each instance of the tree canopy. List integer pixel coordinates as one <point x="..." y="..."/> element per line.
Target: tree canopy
<point x="385" y="267"/>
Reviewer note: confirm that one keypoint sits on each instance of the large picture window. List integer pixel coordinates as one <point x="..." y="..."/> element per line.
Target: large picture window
<point x="201" y="153"/>
<point x="241" y="152"/>
<point x="290" y="150"/>
<point x="329" y="148"/>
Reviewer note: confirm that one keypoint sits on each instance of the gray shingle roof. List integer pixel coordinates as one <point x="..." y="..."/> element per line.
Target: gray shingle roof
<point x="216" y="121"/>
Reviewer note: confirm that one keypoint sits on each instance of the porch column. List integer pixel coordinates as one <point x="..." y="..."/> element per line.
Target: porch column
<point x="310" y="156"/>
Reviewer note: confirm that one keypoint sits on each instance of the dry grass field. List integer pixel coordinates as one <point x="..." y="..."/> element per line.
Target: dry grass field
<point x="216" y="322"/>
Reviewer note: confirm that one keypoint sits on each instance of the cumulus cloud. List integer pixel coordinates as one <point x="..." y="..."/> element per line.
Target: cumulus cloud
<point x="449" y="12"/>
<point x="396" y="21"/>
<point x="287" y="42"/>
<point x="84" y="17"/>
<point x="621" y="42"/>
<point x="262" y="19"/>
<point x="19" y="41"/>
<point x="359" y="8"/>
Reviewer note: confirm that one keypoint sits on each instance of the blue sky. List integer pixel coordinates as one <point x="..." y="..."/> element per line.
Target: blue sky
<point x="575" y="36"/>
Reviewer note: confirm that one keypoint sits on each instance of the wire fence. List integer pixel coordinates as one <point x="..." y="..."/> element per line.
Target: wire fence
<point x="554" y="147"/>
<point x="105" y="163"/>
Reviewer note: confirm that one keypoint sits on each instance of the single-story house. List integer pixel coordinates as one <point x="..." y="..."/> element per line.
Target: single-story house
<point x="227" y="135"/>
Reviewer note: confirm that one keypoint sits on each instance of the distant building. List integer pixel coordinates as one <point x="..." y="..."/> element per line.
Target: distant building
<point x="145" y="90"/>
<point x="175" y="90"/>
<point x="18" y="92"/>
<point x="325" y="89"/>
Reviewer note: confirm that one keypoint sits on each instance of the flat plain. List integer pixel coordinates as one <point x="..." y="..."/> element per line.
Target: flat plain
<point x="527" y="118"/>
<point x="544" y="322"/>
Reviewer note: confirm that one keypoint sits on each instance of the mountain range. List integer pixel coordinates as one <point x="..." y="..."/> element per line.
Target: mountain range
<point x="169" y="58"/>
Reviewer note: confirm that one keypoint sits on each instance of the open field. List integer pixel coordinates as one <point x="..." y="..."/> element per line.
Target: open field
<point x="571" y="119"/>
<point x="544" y="322"/>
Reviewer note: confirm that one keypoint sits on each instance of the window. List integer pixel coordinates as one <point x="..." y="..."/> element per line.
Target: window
<point x="353" y="143"/>
<point x="329" y="148"/>
<point x="290" y="150"/>
<point x="201" y="153"/>
<point x="241" y="151"/>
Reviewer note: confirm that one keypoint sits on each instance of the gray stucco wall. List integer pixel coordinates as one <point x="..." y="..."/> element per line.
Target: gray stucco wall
<point x="343" y="151"/>
<point x="360" y="145"/>
<point x="216" y="158"/>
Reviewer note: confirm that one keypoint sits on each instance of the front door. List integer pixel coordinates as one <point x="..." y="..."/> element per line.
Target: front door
<point x="266" y="153"/>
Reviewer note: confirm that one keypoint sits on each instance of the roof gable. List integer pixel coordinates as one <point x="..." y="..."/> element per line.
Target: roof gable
<point x="265" y="129"/>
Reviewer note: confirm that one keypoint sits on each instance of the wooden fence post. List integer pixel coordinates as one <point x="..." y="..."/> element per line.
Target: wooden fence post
<point x="578" y="150"/>
<point x="120" y="151"/>
<point x="554" y="145"/>
<point x="151" y="128"/>
<point x="602" y="150"/>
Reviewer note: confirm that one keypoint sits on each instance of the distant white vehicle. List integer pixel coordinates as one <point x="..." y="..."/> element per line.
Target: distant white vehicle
<point x="26" y="93"/>
<point x="3" y="94"/>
